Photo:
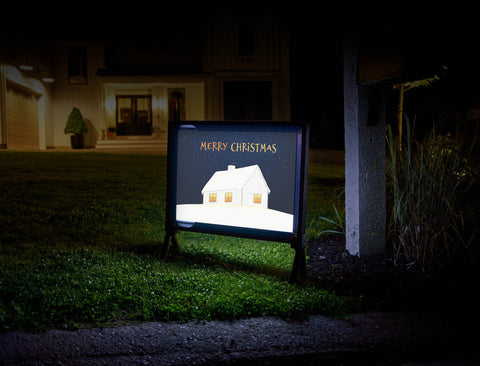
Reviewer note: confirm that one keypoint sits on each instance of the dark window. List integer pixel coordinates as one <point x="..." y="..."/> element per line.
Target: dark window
<point x="246" y="39"/>
<point x="77" y="65"/>
<point x="247" y="101"/>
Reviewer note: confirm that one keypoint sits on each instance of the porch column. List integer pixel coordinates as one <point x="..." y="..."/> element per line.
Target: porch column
<point x="365" y="192"/>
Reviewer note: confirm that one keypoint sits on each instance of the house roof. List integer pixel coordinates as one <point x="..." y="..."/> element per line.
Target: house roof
<point x="233" y="178"/>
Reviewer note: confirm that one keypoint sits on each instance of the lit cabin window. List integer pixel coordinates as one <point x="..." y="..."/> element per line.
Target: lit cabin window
<point x="228" y="196"/>
<point x="257" y="198"/>
<point x="213" y="197"/>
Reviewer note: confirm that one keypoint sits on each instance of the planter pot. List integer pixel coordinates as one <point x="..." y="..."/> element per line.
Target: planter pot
<point x="77" y="141"/>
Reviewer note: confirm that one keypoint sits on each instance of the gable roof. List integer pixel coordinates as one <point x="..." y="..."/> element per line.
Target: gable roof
<point x="233" y="178"/>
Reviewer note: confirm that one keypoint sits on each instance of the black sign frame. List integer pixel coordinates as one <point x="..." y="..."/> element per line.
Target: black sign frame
<point x="176" y="152"/>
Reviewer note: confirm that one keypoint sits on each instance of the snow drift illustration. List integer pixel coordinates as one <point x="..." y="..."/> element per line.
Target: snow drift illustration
<point x="236" y="197"/>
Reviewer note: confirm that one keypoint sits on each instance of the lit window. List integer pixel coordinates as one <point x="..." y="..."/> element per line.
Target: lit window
<point x="257" y="198"/>
<point x="228" y="196"/>
<point x="213" y="197"/>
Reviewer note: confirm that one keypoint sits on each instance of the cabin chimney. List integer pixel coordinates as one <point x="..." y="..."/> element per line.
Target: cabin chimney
<point x="231" y="167"/>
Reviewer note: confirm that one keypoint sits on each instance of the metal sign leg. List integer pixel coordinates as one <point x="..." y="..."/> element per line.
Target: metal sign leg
<point x="170" y="237"/>
<point x="299" y="262"/>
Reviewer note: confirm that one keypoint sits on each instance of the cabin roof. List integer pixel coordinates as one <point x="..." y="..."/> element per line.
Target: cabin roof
<point x="232" y="178"/>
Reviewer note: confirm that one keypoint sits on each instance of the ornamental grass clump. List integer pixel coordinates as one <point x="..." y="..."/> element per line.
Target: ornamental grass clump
<point x="425" y="183"/>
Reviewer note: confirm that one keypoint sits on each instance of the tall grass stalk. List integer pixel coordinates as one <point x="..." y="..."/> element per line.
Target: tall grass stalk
<point x="425" y="181"/>
<point x="338" y="222"/>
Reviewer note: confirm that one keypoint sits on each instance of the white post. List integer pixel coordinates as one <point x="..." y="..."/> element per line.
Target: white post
<point x="365" y="193"/>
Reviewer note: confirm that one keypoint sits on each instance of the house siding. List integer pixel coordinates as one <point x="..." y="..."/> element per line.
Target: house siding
<point x="270" y="62"/>
<point x="86" y="97"/>
<point x="256" y="185"/>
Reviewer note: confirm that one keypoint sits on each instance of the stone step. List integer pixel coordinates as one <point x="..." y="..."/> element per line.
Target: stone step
<point x="132" y="143"/>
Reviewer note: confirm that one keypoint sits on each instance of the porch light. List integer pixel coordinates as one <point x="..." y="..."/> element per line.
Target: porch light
<point x="48" y="79"/>
<point x="110" y="103"/>
<point x="25" y="67"/>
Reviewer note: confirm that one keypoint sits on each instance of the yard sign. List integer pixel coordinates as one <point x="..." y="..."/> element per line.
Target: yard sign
<point x="245" y="179"/>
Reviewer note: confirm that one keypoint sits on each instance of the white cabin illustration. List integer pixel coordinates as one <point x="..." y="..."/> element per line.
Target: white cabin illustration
<point x="237" y="186"/>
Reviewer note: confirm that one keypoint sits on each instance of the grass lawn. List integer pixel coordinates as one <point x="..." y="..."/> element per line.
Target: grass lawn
<point x="80" y="235"/>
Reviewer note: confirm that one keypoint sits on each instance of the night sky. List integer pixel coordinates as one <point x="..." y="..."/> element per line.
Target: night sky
<point x="196" y="166"/>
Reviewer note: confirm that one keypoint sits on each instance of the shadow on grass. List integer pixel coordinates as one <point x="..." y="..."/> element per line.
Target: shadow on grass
<point x="219" y="261"/>
<point x="214" y="260"/>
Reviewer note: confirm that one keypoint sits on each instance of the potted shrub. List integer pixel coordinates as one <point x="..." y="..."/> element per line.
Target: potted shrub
<point x="77" y="127"/>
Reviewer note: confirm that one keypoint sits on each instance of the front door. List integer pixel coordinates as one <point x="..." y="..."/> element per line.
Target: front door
<point x="134" y="115"/>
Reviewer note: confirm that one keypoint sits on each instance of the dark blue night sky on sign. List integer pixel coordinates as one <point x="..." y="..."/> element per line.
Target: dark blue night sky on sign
<point x="201" y="153"/>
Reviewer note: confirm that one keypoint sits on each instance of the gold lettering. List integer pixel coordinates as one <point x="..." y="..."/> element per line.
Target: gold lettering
<point x="257" y="147"/>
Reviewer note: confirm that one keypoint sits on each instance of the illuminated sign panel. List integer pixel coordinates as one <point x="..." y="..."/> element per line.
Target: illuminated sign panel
<point x="239" y="179"/>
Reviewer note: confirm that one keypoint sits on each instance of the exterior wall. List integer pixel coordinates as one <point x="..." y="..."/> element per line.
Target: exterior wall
<point x="158" y="90"/>
<point x="255" y="185"/>
<point x="243" y="198"/>
<point x="270" y="63"/>
<point x="248" y="196"/>
<point x="221" y="51"/>
<point x="96" y="99"/>
<point x="86" y="97"/>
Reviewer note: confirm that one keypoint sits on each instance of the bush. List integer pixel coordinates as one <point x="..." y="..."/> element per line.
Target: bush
<point x="425" y="182"/>
<point x="75" y="123"/>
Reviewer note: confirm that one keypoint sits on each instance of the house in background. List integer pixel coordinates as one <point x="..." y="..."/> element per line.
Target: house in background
<point x="237" y="186"/>
<point x="134" y="81"/>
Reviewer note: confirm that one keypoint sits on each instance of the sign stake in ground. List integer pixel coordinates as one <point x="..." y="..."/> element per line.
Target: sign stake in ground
<point x="245" y="179"/>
